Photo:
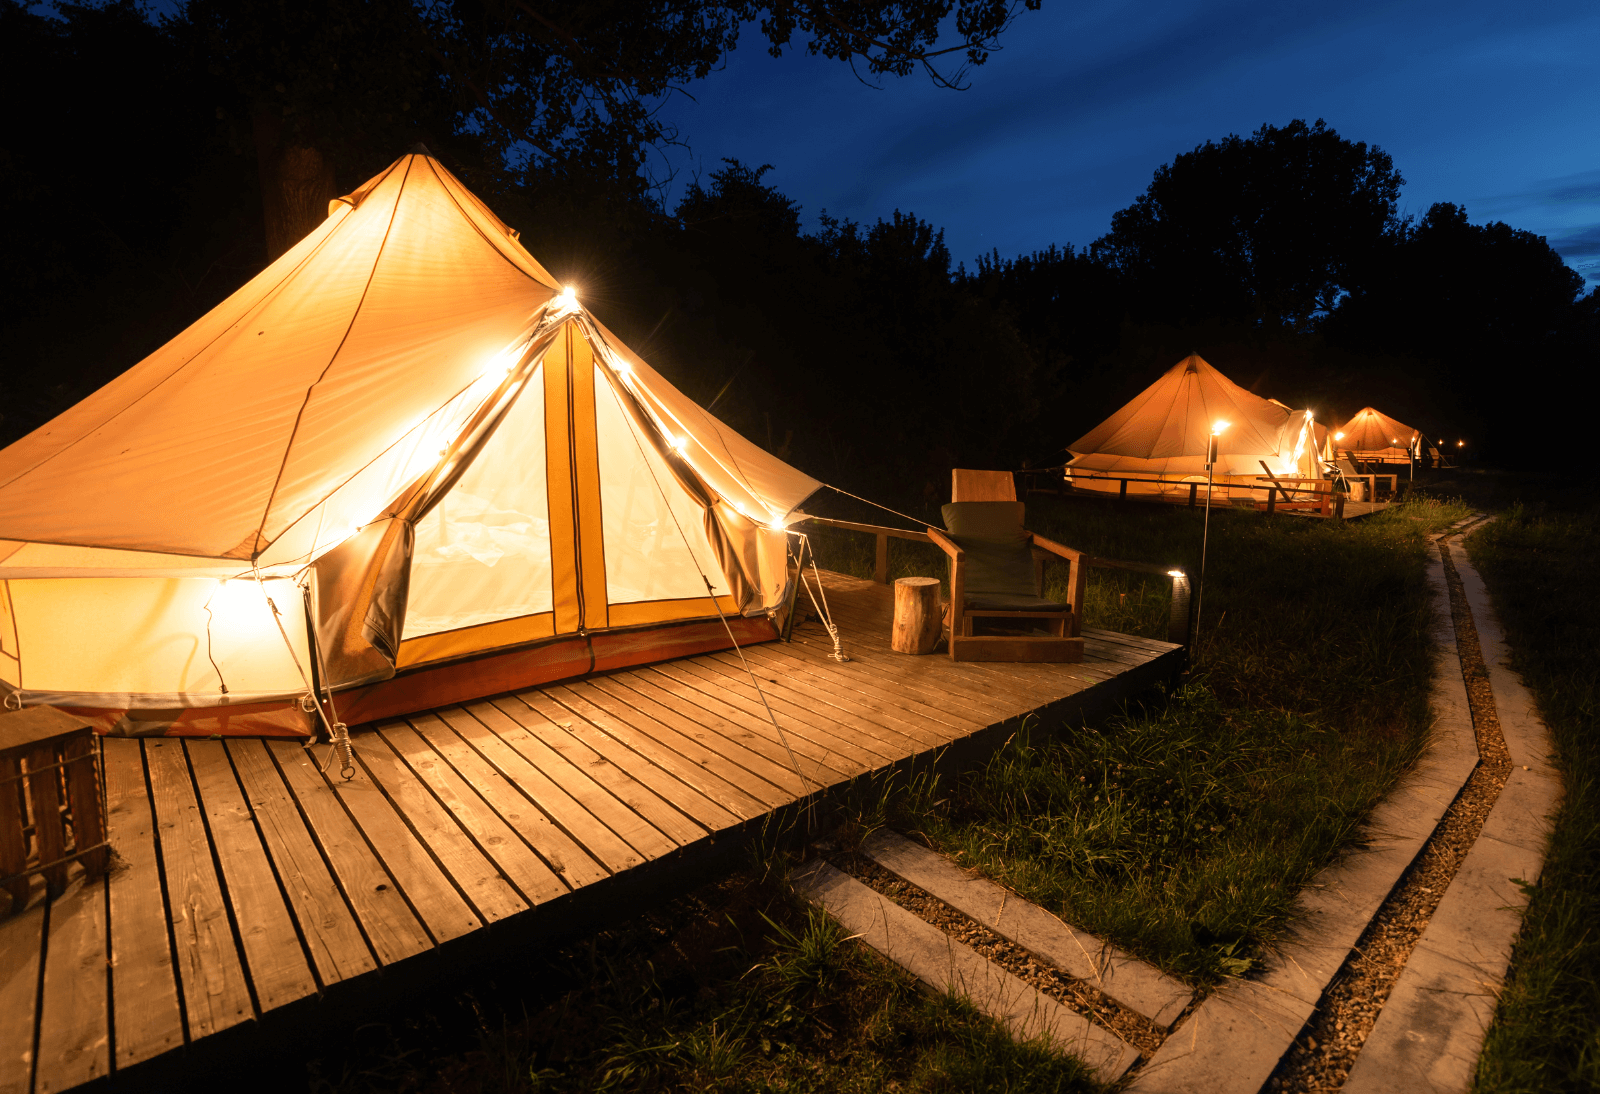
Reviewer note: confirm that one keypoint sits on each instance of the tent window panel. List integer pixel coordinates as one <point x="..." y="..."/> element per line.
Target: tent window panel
<point x="482" y="553"/>
<point x="655" y="538"/>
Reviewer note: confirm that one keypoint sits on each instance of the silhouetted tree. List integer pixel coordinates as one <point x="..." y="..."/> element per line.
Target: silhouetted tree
<point x="1274" y="228"/>
<point x="332" y="84"/>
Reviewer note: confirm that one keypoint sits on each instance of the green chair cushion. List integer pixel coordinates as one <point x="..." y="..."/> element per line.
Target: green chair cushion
<point x="1011" y="602"/>
<point x="999" y="561"/>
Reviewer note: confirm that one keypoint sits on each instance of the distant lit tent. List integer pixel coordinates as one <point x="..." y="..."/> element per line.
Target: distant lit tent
<point x="1162" y="435"/>
<point x="1374" y="437"/>
<point x="399" y="463"/>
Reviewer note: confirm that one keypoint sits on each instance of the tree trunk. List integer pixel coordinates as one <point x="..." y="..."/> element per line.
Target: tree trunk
<point x="918" y="615"/>
<point x="296" y="183"/>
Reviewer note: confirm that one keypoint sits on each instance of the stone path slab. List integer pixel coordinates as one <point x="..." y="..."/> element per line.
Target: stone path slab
<point x="1234" y="1039"/>
<point x="944" y="964"/>
<point x="1231" y="1042"/>
<point x="1429" y="1034"/>
<point x="1438" y="1013"/>
<point x="1079" y="954"/>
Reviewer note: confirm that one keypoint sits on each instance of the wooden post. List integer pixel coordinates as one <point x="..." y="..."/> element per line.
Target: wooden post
<point x="1193" y="487"/>
<point x="1272" y="500"/>
<point x="1078" y="575"/>
<point x="1122" y="488"/>
<point x="918" y="615"/>
<point x="1338" y="507"/>
<point x="83" y="792"/>
<point x="13" y="819"/>
<point x="880" y="569"/>
<point x="49" y="834"/>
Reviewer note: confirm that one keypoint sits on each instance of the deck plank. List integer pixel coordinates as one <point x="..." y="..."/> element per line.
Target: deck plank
<point x="211" y="974"/>
<point x="520" y="793"/>
<point x="559" y="730"/>
<point x="479" y="879"/>
<point x="600" y="813"/>
<point x="275" y="960"/>
<point x="838" y="686"/>
<point x="689" y="761"/>
<point x="338" y="950"/>
<point x="889" y="744"/>
<point x="390" y="926"/>
<point x="1007" y="688"/>
<point x="74" y="1011"/>
<point x="495" y="839"/>
<point x="427" y="888"/>
<point x="770" y="781"/>
<point x="1035" y="685"/>
<point x="21" y="946"/>
<point x="831" y="743"/>
<point x="883" y="681"/>
<point x="144" y="988"/>
<point x="734" y="725"/>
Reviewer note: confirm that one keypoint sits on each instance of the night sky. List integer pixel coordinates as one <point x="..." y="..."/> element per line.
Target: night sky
<point x="1492" y="105"/>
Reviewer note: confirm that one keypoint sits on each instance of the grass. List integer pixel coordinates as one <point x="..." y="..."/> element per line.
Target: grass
<point x="1184" y="828"/>
<point x="1537" y="561"/>
<point x="734" y="988"/>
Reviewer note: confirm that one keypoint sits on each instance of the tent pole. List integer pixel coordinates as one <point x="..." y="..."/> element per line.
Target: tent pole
<point x="1205" y="534"/>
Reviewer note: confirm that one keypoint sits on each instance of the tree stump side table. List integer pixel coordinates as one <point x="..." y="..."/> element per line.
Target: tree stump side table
<point x="918" y="615"/>
<point x="51" y="809"/>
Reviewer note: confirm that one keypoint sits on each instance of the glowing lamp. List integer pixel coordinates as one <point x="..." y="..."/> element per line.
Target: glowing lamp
<point x="679" y="443"/>
<point x="236" y="597"/>
<point x="1176" y="573"/>
<point x="1218" y="426"/>
<point x="1338" y="436"/>
<point x="569" y="295"/>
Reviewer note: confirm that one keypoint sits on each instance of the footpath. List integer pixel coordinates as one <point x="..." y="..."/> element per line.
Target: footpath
<point x="1389" y="977"/>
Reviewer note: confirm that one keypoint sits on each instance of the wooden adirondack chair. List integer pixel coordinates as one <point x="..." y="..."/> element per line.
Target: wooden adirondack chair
<point x="997" y="573"/>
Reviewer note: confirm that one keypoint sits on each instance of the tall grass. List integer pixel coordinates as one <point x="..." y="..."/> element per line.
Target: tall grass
<point x="1183" y="829"/>
<point x="1537" y="561"/>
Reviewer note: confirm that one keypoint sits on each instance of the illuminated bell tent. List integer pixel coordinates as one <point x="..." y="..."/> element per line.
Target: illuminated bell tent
<point x="1375" y="437"/>
<point x="403" y="465"/>
<point x="1162" y="434"/>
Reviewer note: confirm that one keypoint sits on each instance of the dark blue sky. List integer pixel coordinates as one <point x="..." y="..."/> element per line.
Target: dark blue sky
<point x="1492" y="105"/>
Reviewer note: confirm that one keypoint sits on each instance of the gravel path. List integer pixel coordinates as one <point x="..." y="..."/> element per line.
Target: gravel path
<point x="1077" y="995"/>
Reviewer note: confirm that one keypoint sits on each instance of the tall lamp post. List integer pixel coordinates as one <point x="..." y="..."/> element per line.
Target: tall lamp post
<point x="1205" y="536"/>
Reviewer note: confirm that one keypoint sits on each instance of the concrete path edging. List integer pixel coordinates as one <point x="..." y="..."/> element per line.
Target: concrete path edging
<point x="1430" y="1033"/>
<point x="1234" y="1039"/>
<point x="1131" y="982"/>
<point x="944" y="964"/>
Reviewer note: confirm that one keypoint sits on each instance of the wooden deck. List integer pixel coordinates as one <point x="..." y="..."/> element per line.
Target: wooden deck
<point x="254" y="893"/>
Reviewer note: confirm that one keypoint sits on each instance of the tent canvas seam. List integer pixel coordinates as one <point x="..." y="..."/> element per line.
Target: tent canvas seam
<point x="251" y="310"/>
<point x="304" y="402"/>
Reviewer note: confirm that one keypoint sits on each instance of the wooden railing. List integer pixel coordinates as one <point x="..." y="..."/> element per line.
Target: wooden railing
<point x="1179" y="622"/>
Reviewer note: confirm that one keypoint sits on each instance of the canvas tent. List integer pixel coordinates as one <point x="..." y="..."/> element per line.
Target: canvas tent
<point x="401" y="464"/>
<point x="1161" y="436"/>
<point x="1373" y="436"/>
